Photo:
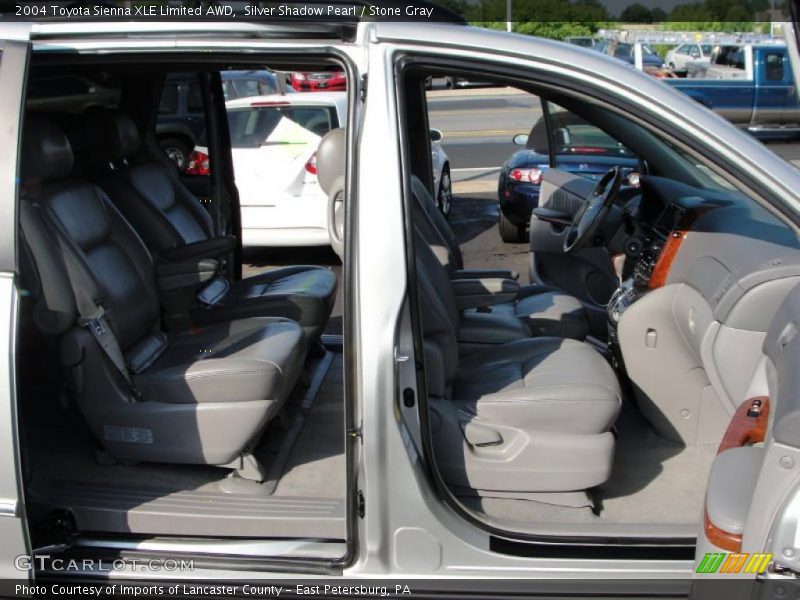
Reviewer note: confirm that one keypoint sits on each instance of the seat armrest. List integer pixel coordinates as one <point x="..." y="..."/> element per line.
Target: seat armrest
<point x="484" y="274"/>
<point x="474" y="293"/>
<point x="185" y="274"/>
<point x="479" y="330"/>
<point x="213" y="248"/>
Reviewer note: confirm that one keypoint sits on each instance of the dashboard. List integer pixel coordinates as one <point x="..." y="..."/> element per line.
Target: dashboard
<point x="660" y="218"/>
<point x="688" y="323"/>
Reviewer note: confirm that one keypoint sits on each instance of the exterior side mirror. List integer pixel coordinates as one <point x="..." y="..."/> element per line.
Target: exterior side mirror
<point x="521" y="139"/>
<point x="436" y="135"/>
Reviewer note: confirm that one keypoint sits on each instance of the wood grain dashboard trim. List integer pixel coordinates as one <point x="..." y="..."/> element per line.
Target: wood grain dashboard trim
<point x="665" y="259"/>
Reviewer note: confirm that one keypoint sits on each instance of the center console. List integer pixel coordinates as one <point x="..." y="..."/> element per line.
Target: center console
<point x="665" y="234"/>
<point x="634" y="287"/>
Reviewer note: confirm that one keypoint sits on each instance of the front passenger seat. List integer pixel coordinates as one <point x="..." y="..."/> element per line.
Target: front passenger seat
<point x="546" y="310"/>
<point x="175" y="226"/>
<point x="532" y="415"/>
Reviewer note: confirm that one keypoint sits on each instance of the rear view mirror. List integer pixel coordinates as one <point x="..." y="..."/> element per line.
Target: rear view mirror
<point x="521" y="139"/>
<point x="436" y="135"/>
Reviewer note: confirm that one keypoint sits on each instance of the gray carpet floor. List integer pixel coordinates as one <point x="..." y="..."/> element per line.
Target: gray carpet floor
<point x="653" y="481"/>
<point x="316" y="466"/>
<point x="64" y="450"/>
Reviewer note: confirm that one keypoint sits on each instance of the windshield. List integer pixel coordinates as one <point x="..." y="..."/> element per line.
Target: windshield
<point x="573" y="136"/>
<point x="248" y="87"/>
<point x="279" y="124"/>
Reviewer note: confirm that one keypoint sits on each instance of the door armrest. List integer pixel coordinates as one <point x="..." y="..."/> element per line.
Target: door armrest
<point x="551" y="215"/>
<point x="731" y="482"/>
<point x="474" y="293"/>
<point x="484" y="273"/>
<point x="734" y="474"/>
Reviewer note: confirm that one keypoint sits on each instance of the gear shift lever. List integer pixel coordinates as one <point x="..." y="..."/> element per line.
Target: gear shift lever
<point x="618" y="264"/>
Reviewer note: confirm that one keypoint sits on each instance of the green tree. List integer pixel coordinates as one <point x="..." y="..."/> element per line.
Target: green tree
<point x="636" y="13"/>
<point x="555" y="30"/>
<point x="487" y="11"/>
<point x="686" y="13"/>
<point x="659" y="15"/>
<point x="588" y="11"/>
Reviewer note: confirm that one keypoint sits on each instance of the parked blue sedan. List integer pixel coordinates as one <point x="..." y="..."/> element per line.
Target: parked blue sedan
<point x="577" y="147"/>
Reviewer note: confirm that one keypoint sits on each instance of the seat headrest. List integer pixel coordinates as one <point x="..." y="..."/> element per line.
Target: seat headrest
<point x="46" y="153"/>
<point x="331" y="158"/>
<point x="114" y="134"/>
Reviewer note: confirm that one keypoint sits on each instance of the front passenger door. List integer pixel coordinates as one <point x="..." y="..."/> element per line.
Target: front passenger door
<point x="749" y="529"/>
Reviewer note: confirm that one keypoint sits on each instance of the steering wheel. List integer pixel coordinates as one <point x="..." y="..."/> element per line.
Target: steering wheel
<point x="593" y="210"/>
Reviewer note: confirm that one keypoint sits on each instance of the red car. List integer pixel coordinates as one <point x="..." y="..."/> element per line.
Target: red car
<point x="329" y="81"/>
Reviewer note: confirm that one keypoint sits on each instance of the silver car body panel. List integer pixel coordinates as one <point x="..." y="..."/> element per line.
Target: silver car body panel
<point x="13" y="528"/>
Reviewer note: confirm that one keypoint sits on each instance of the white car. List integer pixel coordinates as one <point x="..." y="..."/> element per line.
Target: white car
<point x="678" y="58"/>
<point x="274" y="142"/>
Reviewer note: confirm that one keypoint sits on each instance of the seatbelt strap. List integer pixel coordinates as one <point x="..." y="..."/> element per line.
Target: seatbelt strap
<point x="90" y="314"/>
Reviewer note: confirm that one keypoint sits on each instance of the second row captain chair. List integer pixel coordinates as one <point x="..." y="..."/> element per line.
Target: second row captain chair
<point x="176" y="228"/>
<point x="198" y="397"/>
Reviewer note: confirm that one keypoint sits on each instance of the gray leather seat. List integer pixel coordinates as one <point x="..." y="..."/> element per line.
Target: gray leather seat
<point x="202" y="396"/>
<point x="176" y="227"/>
<point x="545" y="309"/>
<point x="532" y="415"/>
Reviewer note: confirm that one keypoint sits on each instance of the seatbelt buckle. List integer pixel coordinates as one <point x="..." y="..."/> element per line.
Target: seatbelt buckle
<point x="95" y="322"/>
<point x="213" y="292"/>
<point x="98" y="326"/>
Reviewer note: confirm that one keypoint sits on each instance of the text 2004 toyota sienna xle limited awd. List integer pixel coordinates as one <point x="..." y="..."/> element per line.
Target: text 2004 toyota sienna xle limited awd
<point x="433" y="420"/>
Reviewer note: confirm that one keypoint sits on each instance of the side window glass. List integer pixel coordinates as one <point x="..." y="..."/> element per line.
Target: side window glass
<point x="265" y="88"/>
<point x="195" y="98"/>
<point x="738" y="59"/>
<point x="180" y="126"/>
<point x="169" y="99"/>
<point x="774" y="66"/>
<point x="73" y="93"/>
<point x="623" y="51"/>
